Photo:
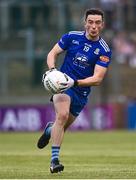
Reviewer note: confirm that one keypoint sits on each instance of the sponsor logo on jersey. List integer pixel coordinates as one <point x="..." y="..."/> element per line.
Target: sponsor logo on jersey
<point x="97" y="50"/>
<point x="104" y="58"/>
<point x="81" y="60"/>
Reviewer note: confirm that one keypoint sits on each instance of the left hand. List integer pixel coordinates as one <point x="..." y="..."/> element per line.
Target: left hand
<point x="68" y="84"/>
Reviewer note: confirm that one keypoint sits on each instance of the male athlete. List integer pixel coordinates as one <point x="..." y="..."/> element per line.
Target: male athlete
<point x="86" y="61"/>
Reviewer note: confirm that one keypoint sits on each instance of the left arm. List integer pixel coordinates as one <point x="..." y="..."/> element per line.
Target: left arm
<point x="96" y="79"/>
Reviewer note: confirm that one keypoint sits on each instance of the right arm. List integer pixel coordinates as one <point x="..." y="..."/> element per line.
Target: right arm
<point x="52" y="56"/>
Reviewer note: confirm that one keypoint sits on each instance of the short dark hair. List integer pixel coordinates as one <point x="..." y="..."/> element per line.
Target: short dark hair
<point x="94" y="11"/>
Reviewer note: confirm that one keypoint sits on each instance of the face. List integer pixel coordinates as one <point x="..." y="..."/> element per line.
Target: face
<point x="93" y="26"/>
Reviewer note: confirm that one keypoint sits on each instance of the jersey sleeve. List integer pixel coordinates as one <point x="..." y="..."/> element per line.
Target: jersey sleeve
<point x="104" y="59"/>
<point x="64" y="41"/>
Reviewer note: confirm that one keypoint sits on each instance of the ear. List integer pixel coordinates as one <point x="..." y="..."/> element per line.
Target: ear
<point x="103" y="24"/>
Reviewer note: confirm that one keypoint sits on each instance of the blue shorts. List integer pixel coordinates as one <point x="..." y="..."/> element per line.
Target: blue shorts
<point x="77" y="102"/>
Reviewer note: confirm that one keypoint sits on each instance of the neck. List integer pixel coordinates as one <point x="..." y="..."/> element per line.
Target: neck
<point x="95" y="38"/>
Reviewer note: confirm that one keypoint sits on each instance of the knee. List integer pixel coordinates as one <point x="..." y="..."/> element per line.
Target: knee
<point x="62" y="117"/>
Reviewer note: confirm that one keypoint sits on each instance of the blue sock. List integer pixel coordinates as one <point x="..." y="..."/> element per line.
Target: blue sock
<point x="48" y="131"/>
<point x="55" y="153"/>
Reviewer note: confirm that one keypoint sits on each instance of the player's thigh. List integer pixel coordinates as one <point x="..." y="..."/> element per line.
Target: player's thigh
<point x="61" y="103"/>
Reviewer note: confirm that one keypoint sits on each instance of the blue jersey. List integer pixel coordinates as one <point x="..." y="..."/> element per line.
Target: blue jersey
<point x="81" y="57"/>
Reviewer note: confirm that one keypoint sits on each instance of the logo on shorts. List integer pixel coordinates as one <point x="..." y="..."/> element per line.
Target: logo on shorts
<point x="77" y="113"/>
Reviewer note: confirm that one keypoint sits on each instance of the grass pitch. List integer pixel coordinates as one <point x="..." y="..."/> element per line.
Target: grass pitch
<point x="90" y="155"/>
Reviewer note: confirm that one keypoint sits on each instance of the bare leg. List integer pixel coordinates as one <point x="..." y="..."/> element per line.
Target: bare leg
<point x="62" y="105"/>
<point x="63" y="120"/>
